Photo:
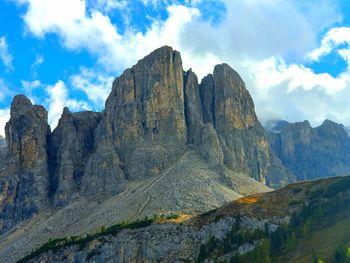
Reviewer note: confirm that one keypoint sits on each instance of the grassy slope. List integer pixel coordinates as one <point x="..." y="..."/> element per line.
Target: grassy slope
<point x="323" y="242"/>
<point x="329" y="228"/>
<point x="328" y="217"/>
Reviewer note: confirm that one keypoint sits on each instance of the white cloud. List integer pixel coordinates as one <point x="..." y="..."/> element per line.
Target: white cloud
<point x="5" y="55"/>
<point x="296" y="93"/>
<point x="109" y="5"/>
<point x="39" y="59"/>
<point x="29" y="86"/>
<point x="334" y="37"/>
<point x="4" y="117"/>
<point x="94" y="84"/>
<point x="58" y="99"/>
<point x="257" y="38"/>
<point x="94" y="31"/>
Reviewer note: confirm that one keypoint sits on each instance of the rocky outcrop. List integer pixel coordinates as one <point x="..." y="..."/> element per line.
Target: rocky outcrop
<point x="71" y="145"/>
<point x="24" y="182"/>
<point x="144" y="116"/>
<point x="311" y="153"/>
<point x="155" y="116"/>
<point x="193" y="108"/>
<point x="228" y="105"/>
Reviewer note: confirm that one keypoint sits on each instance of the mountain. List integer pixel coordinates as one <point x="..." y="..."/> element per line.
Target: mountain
<point x="2" y="141"/>
<point x="311" y="153"/>
<point x="303" y="222"/>
<point x="164" y="144"/>
<point x="3" y="150"/>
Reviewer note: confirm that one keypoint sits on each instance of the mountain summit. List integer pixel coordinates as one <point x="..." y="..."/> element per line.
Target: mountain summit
<point x="164" y="143"/>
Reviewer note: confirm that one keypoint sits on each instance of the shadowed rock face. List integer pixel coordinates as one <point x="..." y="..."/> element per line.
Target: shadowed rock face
<point x="193" y="108"/>
<point x="72" y="143"/>
<point x="312" y="152"/>
<point x="25" y="182"/>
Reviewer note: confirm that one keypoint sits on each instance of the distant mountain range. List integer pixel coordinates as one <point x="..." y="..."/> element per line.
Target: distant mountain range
<point x="311" y="153"/>
<point x="166" y="148"/>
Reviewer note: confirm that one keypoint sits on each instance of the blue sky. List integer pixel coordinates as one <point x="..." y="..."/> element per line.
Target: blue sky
<point x="294" y="55"/>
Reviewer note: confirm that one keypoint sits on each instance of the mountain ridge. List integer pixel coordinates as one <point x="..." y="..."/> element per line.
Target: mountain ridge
<point x="311" y="153"/>
<point x="150" y="146"/>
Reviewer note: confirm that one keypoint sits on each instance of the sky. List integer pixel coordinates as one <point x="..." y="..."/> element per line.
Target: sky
<point x="294" y="55"/>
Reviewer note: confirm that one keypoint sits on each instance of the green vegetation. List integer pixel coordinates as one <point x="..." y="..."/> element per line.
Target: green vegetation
<point x="81" y="241"/>
<point x="295" y="202"/>
<point x="342" y="254"/>
<point x="317" y="210"/>
<point x="321" y="210"/>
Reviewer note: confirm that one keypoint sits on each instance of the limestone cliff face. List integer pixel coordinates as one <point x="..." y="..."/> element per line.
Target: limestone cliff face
<point x="193" y="108"/>
<point x="154" y="114"/>
<point x="312" y="152"/>
<point x="24" y="182"/>
<point x="228" y="105"/>
<point x="72" y="143"/>
<point x="144" y="115"/>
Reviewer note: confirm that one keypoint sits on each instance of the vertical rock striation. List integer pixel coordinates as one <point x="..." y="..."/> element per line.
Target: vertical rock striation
<point x="228" y="105"/>
<point x="153" y="115"/>
<point x="144" y="115"/>
<point x="312" y="153"/>
<point x="24" y="183"/>
<point x="193" y="107"/>
<point x="72" y="143"/>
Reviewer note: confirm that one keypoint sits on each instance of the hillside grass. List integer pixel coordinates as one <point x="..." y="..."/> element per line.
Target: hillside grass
<point x="323" y="243"/>
<point x="316" y="230"/>
<point x="83" y="240"/>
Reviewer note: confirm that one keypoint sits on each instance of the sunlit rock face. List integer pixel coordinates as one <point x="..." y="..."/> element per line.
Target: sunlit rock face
<point x="144" y="116"/>
<point x="228" y="105"/>
<point x="71" y="145"/>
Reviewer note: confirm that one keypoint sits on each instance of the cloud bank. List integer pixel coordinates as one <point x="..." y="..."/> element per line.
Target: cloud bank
<point x="268" y="42"/>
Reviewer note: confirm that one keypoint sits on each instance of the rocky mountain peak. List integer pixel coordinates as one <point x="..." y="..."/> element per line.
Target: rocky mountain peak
<point x="145" y="116"/>
<point x="331" y="128"/>
<point x="71" y="144"/>
<point x="158" y="122"/>
<point x="27" y="132"/>
<point x="20" y="105"/>
<point x="193" y="107"/>
<point x="66" y="113"/>
<point x="25" y="181"/>
<point x="233" y="102"/>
